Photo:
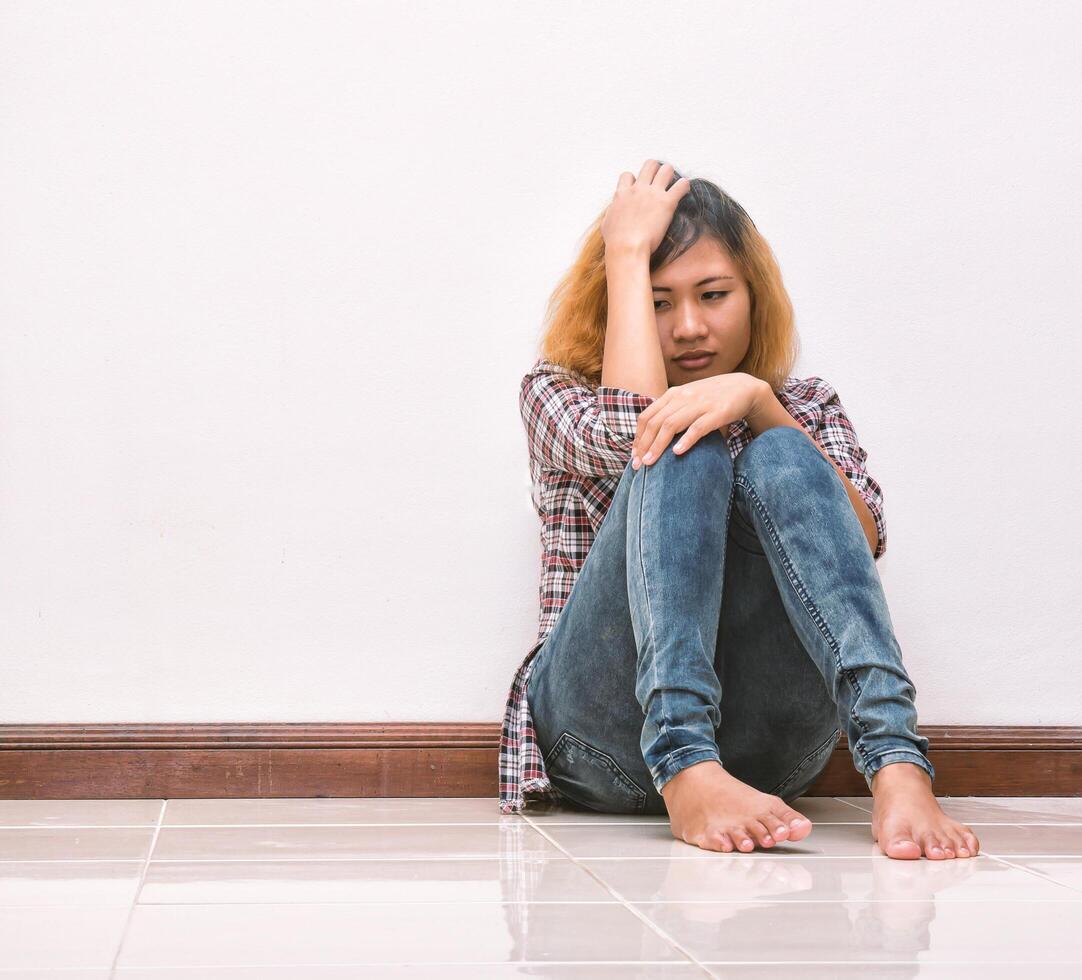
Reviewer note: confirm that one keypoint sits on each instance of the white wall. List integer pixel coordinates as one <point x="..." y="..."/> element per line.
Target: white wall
<point x="270" y="274"/>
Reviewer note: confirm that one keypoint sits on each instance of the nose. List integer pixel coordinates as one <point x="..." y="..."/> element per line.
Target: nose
<point x="689" y="328"/>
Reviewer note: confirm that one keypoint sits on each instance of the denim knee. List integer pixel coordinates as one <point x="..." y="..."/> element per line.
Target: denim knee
<point x="709" y="450"/>
<point x="779" y="448"/>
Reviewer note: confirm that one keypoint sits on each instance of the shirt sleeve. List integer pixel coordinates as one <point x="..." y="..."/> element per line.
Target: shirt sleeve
<point x="574" y="428"/>
<point x="838" y="437"/>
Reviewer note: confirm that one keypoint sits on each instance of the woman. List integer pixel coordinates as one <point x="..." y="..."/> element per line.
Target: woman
<point x="711" y="613"/>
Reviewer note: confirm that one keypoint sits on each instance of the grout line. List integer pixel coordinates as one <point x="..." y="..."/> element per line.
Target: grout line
<point x="138" y="890"/>
<point x="1033" y="871"/>
<point x="885" y="962"/>
<point x="588" y="963"/>
<point x="403" y="903"/>
<point x="612" y="891"/>
<point x="772" y="853"/>
<point x="838" y="799"/>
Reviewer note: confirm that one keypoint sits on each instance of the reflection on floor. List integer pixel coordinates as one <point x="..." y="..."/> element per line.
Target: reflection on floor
<point x="450" y="888"/>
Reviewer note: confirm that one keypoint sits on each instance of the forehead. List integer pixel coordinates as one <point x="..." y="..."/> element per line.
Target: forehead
<point x="705" y="258"/>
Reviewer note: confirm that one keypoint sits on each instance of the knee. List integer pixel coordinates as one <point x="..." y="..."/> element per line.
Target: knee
<point x="779" y="453"/>
<point x="708" y="455"/>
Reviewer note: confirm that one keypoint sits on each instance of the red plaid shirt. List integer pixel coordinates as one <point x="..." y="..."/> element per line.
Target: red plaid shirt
<point x="579" y="438"/>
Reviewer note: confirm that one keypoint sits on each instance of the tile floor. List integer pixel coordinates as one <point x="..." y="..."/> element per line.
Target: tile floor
<point x="450" y="888"/>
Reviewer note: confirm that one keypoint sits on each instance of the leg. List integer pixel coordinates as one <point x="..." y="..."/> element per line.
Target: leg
<point x="834" y="597"/>
<point x="581" y="686"/>
<point x="779" y="723"/>
<point x="583" y="690"/>
<point x="833" y="594"/>
<point x="677" y="529"/>
<point x="708" y="617"/>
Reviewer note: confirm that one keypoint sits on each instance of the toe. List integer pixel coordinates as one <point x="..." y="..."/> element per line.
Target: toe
<point x="902" y="846"/>
<point x="779" y="830"/>
<point x="798" y="824"/>
<point x="742" y="838"/>
<point x="725" y="842"/>
<point x="972" y="842"/>
<point x="932" y="847"/>
<point x="761" y="833"/>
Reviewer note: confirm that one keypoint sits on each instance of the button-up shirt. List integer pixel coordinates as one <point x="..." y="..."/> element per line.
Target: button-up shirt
<point x="579" y="437"/>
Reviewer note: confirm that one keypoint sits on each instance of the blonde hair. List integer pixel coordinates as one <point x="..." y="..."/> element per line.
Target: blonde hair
<point x="577" y="310"/>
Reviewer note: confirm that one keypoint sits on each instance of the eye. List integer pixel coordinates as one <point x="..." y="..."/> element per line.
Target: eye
<point x="715" y="292"/>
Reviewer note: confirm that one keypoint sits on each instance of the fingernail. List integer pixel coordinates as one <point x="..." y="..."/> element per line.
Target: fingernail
<point x="634" y="462"/>
<point x="648" y="458"/>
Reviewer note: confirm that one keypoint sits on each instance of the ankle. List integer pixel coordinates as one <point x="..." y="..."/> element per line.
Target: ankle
<point x="900" y="773"/>
<point x="691" y="775"/>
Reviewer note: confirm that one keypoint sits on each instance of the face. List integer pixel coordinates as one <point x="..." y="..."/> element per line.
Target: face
<point x="695" y="314"/>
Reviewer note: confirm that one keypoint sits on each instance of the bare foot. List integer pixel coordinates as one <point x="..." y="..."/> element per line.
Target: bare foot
<point x="714" y="810"/>
<point x="907" y="820"/>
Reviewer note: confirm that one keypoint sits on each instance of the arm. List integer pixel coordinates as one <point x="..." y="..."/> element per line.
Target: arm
<point x="632" y="357"/>
<point x="574" y="429"/>
<point x="769" y="413"/>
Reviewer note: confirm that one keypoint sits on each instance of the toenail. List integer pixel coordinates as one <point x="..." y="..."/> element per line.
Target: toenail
<point x="962" y="850"/>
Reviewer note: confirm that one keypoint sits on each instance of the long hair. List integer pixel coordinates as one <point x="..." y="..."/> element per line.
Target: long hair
<point x="577" y="310"/>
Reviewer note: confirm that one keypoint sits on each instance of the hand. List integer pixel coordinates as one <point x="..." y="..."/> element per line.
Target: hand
<point x="642" y="210"/>
<point x="698" y="406"/>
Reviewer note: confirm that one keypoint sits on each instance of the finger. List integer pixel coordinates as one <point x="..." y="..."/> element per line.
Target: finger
<point x="688" y="439"/>
<point x="680" y="187"/>
<point x="627" y="178"/>
<point x="646" y="430"/>
<point x="654" y="437"/>
<point x="663" y="175"/>
<point x="645" y="417"/>
<point x="665" y="432"/>
<point x="649" y="168"/>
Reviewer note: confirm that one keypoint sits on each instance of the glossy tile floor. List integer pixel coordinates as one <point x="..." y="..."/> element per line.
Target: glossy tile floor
<point x="450" y="888"/>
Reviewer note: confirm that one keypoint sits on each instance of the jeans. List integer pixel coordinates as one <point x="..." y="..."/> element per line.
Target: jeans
<point x="727" y="610"/>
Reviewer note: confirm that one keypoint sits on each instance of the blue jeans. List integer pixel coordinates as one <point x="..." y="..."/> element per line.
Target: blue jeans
<point x="751" y="577"/>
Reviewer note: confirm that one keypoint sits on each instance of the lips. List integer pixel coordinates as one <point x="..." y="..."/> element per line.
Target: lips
<point x="695" y="358"/>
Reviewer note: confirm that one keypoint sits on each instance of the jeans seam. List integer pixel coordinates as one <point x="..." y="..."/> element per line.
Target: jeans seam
<point x="670" y="760"/>
<point x="686" y="749"/>
<point x="806" y="601"/>
<point x="651" y="639"/>
<point x="829" y="740"/>
<point x="914" y="753"/>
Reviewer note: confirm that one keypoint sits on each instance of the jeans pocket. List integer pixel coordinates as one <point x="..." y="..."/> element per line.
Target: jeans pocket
<point x="809" y="769"/>
<point x="592" y="778"/>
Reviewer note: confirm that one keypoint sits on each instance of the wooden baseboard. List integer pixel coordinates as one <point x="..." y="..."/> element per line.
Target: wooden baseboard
<point x="257" y="761"/>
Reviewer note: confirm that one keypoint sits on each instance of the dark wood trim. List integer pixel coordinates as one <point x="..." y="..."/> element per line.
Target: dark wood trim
<point x="434" y="759"/>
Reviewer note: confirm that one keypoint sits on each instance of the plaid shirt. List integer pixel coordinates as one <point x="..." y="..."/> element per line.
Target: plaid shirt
<point x="579" y="438"/>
